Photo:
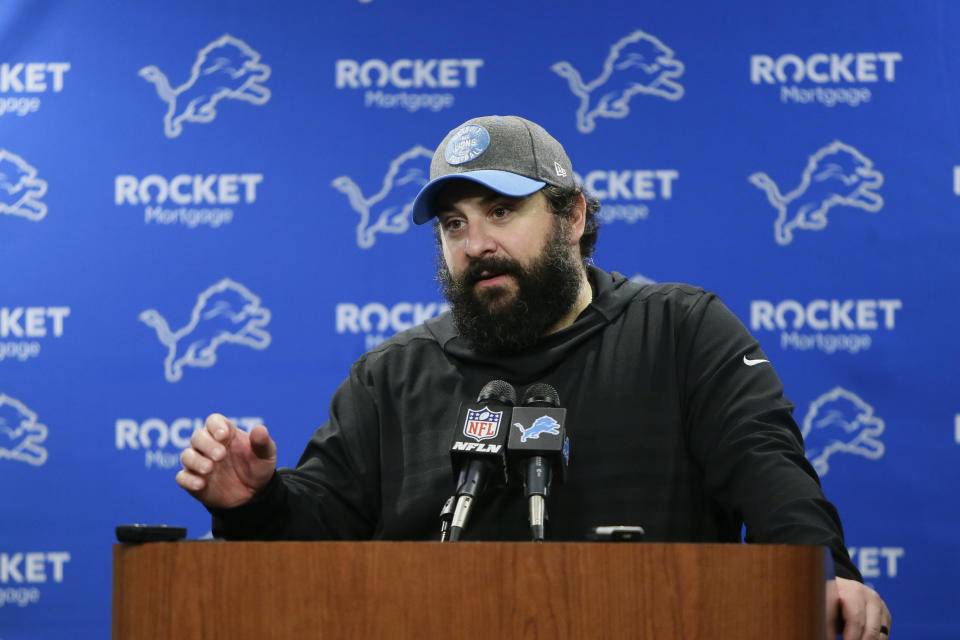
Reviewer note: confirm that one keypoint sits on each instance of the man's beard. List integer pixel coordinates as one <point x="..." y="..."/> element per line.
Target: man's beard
<point x="496" y="321"/>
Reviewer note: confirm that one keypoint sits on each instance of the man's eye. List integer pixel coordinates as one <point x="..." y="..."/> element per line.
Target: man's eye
<point x="453" y="225"/>
<point x="500" y="212"/>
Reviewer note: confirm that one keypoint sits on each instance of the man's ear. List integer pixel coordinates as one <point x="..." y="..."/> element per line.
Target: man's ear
<point x="578" y="219"/>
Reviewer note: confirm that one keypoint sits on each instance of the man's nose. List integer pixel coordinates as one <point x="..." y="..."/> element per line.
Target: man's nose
<point x="479" y="241"/>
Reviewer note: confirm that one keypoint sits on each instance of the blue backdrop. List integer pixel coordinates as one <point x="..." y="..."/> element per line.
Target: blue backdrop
<point x="205" y="207"/>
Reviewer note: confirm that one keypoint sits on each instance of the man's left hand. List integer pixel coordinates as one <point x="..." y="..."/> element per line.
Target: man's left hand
<point x="863" y="611"/>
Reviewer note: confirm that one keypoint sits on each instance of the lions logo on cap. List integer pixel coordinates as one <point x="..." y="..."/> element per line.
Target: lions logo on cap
<point x="466" y="144"/>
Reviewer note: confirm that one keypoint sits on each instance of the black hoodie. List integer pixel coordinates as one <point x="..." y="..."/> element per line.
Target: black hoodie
<point x="669" y="428"/>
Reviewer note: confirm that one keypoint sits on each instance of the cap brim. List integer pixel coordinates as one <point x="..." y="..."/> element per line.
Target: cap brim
<point x="509" y="184"/>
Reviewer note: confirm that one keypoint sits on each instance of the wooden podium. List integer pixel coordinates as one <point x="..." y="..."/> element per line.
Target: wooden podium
<point x="401" y="590"/>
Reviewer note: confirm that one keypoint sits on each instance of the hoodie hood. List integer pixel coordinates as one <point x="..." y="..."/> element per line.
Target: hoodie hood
<point x="612" y="293"/>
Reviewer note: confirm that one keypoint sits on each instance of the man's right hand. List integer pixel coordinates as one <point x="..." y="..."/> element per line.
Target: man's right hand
<point x="224" y="466"/>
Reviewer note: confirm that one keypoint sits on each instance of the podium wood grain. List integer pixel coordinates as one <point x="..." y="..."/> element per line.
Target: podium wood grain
<point x="236" y="590"/>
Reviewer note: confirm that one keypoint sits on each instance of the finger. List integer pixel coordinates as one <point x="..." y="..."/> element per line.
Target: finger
<point x="852" y="630"/>
<point x="877" y="618"/>
<point x="262" y="444"/>
<point x="190" y="481"/>
<point x="220" y="428"/>
<point x="854" y="613"/>
<point x="194" y="462"/>
<point x="202" y="440"/>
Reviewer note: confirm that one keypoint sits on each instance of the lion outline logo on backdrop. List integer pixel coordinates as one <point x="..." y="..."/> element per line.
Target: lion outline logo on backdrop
<point x="407" y="174"/>
<point x="836" y="175"/>
<point x="20" y="433"/>
<point x="20" y="188"/>
<point x="226" y="312"/>
<point x="839" y="421"/>
<point x="226" y="68"/>
<point x="637" y="63"/>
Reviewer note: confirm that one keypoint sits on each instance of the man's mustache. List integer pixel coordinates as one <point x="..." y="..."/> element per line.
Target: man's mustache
<point x="482" y="268"/>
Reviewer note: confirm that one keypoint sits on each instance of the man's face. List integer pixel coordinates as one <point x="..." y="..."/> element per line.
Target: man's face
<point x="509" y="266"/>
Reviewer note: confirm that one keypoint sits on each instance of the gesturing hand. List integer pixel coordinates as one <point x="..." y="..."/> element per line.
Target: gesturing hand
<point x="223" y="466"/>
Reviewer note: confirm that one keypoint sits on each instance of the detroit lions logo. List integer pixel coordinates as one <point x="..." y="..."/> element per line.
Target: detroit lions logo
<point x="20" y="433"/>
<point x="20" y="188"/>
<point x="543" y="424"/>
<point x="835" y="175"/>
<point x="390" y="207"/>
<point x="467" y="144"/>
<point x="227" y="312"/>
<point x="637" y="63"/>
<point x="840" y="422"/>
<point x="225" y="68"/>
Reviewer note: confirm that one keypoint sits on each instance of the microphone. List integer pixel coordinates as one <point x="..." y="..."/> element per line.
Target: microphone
<point x="539" y="446"/>
<point x="478" y="451"/>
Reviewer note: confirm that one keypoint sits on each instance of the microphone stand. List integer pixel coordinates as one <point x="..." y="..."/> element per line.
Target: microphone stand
<point x="446" y="515"/>
<point x="536" y="485"/>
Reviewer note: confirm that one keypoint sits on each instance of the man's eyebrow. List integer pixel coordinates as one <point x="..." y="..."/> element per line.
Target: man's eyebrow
<point x="442" y="207"/>
<point x="500" y="196"/>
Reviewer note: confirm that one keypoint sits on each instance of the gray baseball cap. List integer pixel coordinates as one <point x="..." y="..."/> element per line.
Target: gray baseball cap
<point x="508" y="154"/>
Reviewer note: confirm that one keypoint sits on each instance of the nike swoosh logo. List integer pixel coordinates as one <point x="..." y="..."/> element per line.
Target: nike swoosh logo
<point x="751" y="363"/>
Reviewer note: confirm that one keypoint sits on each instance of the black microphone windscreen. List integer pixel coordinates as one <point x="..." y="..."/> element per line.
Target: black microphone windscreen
<point x="499" y="390"/>
<point x="541" y="393"/>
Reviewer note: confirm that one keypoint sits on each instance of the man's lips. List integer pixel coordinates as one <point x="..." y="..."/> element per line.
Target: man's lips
<point x="488" y="279"/>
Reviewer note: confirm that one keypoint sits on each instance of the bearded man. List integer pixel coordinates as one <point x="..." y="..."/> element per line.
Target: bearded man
<point x="677" y="418"/>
